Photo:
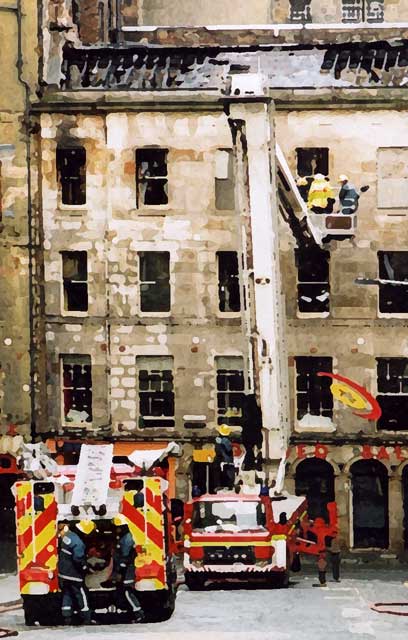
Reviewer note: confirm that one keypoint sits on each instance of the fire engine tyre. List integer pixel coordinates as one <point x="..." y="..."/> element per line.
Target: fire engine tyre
<point x="158" y="606"/>
<point x="195" y="581"/>
<point x="42" y="610"/>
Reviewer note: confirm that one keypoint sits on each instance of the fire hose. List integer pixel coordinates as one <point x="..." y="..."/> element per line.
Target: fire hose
<point x="376" y="607"/>
<point x="4" y="608"/>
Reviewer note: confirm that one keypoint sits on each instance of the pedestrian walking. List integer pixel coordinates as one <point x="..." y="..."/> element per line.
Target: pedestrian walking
<point x="333" y="547"/>
<point x="124" y="571"/>
<point x="72" y="569"/>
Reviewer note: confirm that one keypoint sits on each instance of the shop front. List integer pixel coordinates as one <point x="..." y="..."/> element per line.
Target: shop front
<point x="369" y="484"/>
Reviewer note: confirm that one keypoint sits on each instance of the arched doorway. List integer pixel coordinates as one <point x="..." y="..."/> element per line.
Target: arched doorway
<point x="404" y="482"/>
<point x="315" y="480"/>
<point x="369" y="489"/>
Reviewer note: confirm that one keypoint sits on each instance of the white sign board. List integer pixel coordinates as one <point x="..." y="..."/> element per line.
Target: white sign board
<point x="93" y="475"/>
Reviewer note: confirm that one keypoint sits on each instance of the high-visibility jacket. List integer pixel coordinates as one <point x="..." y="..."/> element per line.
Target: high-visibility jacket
<point x="72" y="558"/>
<point x="319" y="193"/>
<point x="124" y="558"/>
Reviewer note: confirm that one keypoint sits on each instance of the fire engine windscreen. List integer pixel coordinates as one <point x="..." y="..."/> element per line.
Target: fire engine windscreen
<point x="228" y="516"/>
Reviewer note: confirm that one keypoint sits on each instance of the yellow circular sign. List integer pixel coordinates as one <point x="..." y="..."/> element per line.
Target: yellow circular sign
<point x="348" y="396"/>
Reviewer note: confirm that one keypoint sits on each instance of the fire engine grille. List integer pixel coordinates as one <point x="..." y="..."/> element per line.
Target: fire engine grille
<point x="229" y="555"/>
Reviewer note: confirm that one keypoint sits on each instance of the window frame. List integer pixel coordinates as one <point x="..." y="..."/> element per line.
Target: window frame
<point x="88" y="358"/>
<point x="318" y="428"/>
<point x="229" y="180"/>
<point x="228" y="314"/>
<point x="392" y="314"/>
<point x="154" y="314"/>
<point x="141" y="418"/>
<point x="300" y="283"/>
<point x="140" y="180"/>
<point x="390" y="394"/>
<point x="221" y="418"/>
<point x="325" y="164"/>
<point x="64" y="206"/>
<point x="365" y="11"/>
<point x="73" y="312"/>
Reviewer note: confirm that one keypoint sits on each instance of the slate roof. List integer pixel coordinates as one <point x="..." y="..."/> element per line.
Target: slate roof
<point x="381" y="64"/>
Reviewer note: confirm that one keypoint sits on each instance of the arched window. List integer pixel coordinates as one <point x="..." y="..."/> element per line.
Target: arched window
<point x="315" y="480"/>
<point x="369" y="486"/>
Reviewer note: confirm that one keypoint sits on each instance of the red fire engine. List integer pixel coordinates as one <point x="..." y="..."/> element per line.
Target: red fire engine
<point x="247" y="536"/>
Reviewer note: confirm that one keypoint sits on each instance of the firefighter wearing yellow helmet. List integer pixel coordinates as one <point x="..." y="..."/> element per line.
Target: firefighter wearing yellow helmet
<point x="123" y="573"/>
<point x="72" y="569"/>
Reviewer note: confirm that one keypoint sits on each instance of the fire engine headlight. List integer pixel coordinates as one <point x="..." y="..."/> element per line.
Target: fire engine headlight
<point x="50" y="575"/>
<point x="187" y="543"/>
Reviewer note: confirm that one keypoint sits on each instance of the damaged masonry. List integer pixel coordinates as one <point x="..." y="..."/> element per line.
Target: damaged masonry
<point x="186" y="267"/>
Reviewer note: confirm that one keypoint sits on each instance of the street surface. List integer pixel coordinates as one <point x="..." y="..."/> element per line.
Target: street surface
<point x="302" y="612"/>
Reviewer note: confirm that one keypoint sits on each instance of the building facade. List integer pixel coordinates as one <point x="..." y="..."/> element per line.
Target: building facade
<point x="180" y="281"/>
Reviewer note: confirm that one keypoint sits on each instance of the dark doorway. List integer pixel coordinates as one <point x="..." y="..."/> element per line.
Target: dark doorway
<point x="315" y="480"/>
<point x="404" y="481"/>
<point x="8" y="559"/>
<point x="369" y="486"/>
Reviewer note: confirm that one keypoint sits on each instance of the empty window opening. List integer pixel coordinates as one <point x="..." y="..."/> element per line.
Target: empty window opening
<point x="156" y="391"/>
<point x="71" y="171"/>
<point x="392" y="385"/>
<point x="313" y="289"/>
<point x="393" y="286"/>
<point x="311" y="160"/>
<point x="228" y="281"/>
<point x="315" y="480"/>
<point x="362" y="10"/>
<point x="151" y="177"/>
<point x="224" y="180"/>
<point x="300" y="11"/>
<point x="75" y="280"/>
<point x="369" y="486"/>
<point x="230" y="390"/>
<point x="77" y="389"/>
<point x="314" y="399"/>
<point x="154" y="281"/>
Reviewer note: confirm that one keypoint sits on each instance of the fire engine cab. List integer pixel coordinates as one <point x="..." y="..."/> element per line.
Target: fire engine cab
<point x="138" y="490"/>
<point x="248" y="537"/>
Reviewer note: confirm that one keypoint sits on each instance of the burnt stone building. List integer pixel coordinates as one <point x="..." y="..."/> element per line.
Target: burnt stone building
<point x="187" y="283"/>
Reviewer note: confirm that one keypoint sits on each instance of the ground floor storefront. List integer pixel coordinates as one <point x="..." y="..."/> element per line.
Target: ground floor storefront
<point x="369" y="484"/>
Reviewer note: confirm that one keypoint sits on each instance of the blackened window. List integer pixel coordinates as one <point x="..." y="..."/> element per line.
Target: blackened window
<point x="75" y="280"/>
<point x="392" y="385"/>
<point x="71" y="170"/>
<point x="224" y="180"/>
<point x="300" y="11"/>
<point x="154" y="281"/>
<point x="77" y="389"/>
<point x="393" y="272"/>
<point x="230" y="388"/>
<point x="313" y="287"/>
<point x="362" y="10"/>
<point x="313" y="395"/>
<point x="151" y="177"/>
<point x="156" y="391"/>
<point x="311" y="160"/>
<point x="228" y="281"/>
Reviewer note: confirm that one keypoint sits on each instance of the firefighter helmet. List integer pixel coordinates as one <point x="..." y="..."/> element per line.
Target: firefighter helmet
<point x="224" y="429"/>
<point x="120" y="520"/>
<point x="85" y="526"/>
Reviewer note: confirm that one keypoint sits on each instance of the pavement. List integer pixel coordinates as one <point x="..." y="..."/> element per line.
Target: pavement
<point x="341" y="611"/>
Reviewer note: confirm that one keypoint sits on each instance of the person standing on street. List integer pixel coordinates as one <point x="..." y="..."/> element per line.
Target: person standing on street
<point x="123" y="575"/>
<point x="72" y="568"/>
<point x="335" y="557"/>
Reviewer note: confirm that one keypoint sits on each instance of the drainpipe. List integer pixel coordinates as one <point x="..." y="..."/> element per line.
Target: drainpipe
<point x="31" y="251"/>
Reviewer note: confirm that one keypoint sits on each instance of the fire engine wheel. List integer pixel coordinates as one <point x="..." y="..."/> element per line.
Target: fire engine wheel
<point x="279" y="580"/>
<point x="158" y="606"/>
<point x="195" y="581"/>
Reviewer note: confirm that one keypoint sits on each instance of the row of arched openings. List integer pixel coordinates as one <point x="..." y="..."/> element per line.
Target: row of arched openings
<point x="369" y="498"/>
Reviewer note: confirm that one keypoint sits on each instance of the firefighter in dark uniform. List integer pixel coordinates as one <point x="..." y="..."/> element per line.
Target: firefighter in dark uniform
<point x="124" y="570"/>
<point x="72" y="568"/>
